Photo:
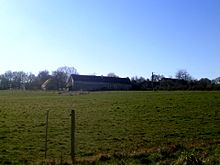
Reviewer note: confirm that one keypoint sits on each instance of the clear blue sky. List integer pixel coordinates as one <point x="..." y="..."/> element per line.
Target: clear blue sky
<point x="127" y="37"/>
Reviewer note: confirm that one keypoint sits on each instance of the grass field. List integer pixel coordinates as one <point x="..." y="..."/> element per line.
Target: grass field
<point x="112" y="127"/>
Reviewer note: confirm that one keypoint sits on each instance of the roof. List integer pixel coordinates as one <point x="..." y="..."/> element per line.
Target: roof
<point x="172" y="79"/>
<point x="169" y="79"/>
<point x="100" y="79"/>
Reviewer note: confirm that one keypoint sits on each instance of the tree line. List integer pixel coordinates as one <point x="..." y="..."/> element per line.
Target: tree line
<point x="182" y="81"/>
<point x="29" y="81"/>
<point x="58" y="78"/>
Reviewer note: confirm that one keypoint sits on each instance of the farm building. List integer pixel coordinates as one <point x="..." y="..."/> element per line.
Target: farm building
<point x="94" y="83"/>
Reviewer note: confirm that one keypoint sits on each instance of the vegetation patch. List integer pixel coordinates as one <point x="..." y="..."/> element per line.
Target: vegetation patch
<point x="112" y="127"/>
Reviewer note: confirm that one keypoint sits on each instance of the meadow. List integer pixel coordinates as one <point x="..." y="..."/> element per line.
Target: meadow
<point x="126" y="127"/>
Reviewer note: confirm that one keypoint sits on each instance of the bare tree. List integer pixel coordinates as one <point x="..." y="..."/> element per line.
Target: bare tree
<point x="43" y="75"/>
<point x="216" y="80"/>
<point x="19" y="79"/>
<point x="112" y="75"/>
<point x="67" y="70"/>
<point x="60" y="77"/>
<point x="157" y="77"/>
<point x="183" y="75"/>
<point x="31" y="81"/>
<point x="9" y="78"/>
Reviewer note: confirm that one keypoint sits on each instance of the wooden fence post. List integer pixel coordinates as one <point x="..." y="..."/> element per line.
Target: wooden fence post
<point x="73" y="132"/>
<point x="46" y="134"/>
<point x="61" y="158"/>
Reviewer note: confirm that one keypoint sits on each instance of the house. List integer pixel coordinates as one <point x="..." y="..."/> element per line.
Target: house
<point x="95" y="83"/>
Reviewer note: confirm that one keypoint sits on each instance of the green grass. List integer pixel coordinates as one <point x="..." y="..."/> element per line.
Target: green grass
<point x="112" y="127"/>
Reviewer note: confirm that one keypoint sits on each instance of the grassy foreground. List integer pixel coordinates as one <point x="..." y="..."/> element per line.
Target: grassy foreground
<point x="112" y="127"/>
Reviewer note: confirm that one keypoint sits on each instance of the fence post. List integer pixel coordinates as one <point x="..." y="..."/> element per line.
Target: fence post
<point x="46" y="134"/>
<point x="73" y="130"/>
<point x="61" y="158"/>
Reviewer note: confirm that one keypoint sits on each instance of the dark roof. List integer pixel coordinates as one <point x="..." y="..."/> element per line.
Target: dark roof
<point x="169" y="79"/>
<point x="172" y="79"/>
<point x="100" y="79"/>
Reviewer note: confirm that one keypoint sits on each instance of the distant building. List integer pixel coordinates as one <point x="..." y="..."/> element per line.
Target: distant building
<point x="95" y="83"/>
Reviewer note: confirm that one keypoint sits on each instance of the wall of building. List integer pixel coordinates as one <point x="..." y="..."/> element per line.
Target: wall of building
<point x="92" y="86"/>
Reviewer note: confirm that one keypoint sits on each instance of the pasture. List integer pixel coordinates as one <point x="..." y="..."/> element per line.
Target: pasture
<point x="112" y="127"/>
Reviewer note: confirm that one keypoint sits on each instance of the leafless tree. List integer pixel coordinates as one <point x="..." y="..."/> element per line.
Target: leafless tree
<point x="183" y="75"/>
<point x="67" y="70"/>
<point x="112" y="75"/>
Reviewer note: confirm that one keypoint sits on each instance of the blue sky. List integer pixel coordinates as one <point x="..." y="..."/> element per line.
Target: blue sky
<point x="127" y="37"/>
